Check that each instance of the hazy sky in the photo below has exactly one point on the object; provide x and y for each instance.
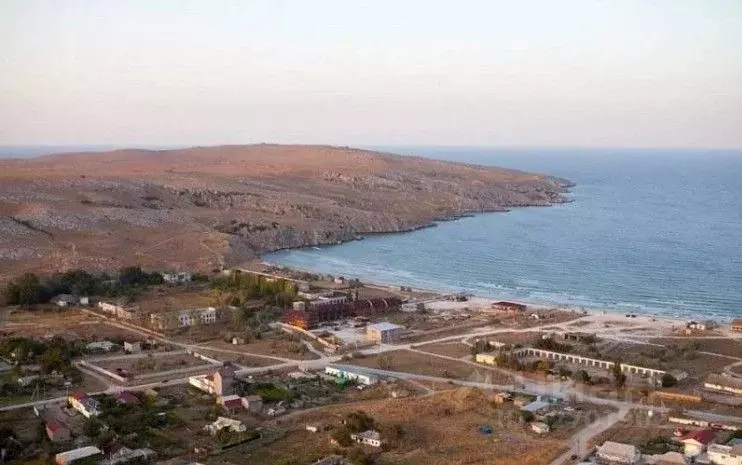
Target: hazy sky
(465, 72)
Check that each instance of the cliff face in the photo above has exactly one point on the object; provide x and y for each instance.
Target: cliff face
(207, 207)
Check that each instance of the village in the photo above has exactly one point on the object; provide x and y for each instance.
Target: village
(280, 366)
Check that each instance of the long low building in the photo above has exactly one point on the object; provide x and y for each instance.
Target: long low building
(587, 361)
(726, 384)
(88, 454)
(616, 452)
(352, 375)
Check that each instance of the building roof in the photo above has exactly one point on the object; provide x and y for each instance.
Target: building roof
(79, 395)
(253, 398)
(232, 402)
(737, 322)
(126, 397)
(77, 454)
(53, 425)
(617, 449)
(702, 436)
(670, 458)
(735, 450)
(370, 434)
(385, 326)
(724, 381)
(535, 406)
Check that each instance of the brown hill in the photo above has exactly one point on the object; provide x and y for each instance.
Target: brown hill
(206, 206)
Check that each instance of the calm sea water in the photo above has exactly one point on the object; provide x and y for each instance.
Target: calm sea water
(649, 231)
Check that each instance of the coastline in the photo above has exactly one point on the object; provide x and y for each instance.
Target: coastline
(477, 302)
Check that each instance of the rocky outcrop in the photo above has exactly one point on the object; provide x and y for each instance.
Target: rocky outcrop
(207, 207)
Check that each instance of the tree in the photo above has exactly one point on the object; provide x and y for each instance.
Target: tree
(526, 416)
(668, 380)
(25, 291)
(342, 436)
(92, 428)
(582, 376)
(51, 360)
(358, 457)
(619, 378)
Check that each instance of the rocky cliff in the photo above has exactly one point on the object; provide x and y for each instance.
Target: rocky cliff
(211, 206)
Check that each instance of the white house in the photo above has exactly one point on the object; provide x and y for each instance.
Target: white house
(540, 428)
(696, 442)
(181, 277)
(106, 346)
(369, 437)
(132, 347)
(206, 316)
(617, 452)
(88, 453)
(221, 423)
(725, 455)
(26, 381)
(358, 376)
(84, 404)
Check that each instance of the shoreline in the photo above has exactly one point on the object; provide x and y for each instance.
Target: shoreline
(484, 302)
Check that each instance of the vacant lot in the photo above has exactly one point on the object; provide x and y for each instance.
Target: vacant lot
(282, 347)
(674, 357)
(151, 363)
(636, 429)
(166, 298)
(437, 429)
(413, 362)
(723, 346)
(234, 355)
(513, 337)
(450, 349)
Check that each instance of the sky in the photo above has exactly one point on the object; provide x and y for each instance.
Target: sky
(569, 73)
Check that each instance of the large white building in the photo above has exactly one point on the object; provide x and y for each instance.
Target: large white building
(359, 376)
(229, 424)
(384, 332)
(617, 452)
(725, 455)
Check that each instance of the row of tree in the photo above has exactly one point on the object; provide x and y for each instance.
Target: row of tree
(30, 289)
(239, 288)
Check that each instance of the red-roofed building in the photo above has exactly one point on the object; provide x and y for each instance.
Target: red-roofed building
(232, 402)
(696, 442)
(56, 431)
(126, 398)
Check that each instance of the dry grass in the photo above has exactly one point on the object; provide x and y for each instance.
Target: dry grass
(151, 364)
(636, 429)
(723, 346)
(437, 429)
(276, 347)
(450, 349)
(240, 358)
(429, 365)
(164, 298)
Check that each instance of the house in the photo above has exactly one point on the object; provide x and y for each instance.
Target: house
(696, 442)
(105, 346)
(83, 454)
(229, 424)
(616, 452)
(183, 318)
(127, 398)
(126, 455)
(84, 404)
(65, 300)
(84, 300)
(312, 428)
(668, 458)
(540, 428)
(536, 407)
(502, 397)
(119, 310)
(722, 383)
(384, 332)
(56, 431)
(25, 381)
(725, 454)
(488, 359)
(253, 403)
(737, 325)
(219, 383)
(231, 402)
(359, 376)
(181, 277)
(276, 411)
(133, 347)
(369, 437)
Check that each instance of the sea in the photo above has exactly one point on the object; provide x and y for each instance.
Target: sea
(647, 231)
